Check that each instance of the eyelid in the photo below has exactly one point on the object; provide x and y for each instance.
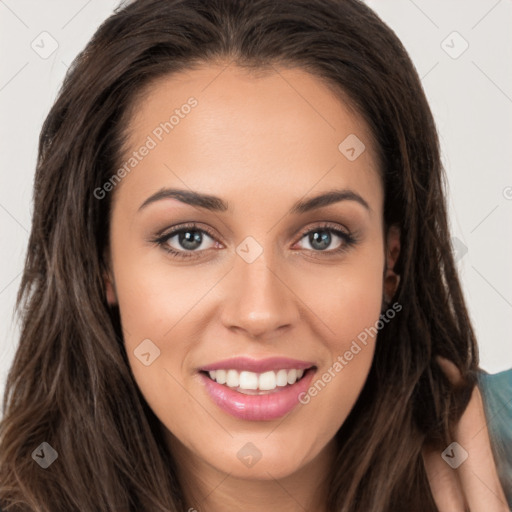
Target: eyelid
(324, 225)
(174, 230)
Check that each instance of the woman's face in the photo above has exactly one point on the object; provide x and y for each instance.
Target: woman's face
(265, 280)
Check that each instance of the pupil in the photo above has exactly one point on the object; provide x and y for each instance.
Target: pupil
(323, 240)
(190, 242)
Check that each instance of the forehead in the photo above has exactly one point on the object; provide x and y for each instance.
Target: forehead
(221, 127)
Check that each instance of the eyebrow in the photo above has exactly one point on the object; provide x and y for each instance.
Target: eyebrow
(216, 204)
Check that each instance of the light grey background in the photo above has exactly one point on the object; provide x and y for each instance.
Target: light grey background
(470, 93)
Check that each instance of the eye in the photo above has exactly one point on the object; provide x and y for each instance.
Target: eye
(322, 237)
(184, 241)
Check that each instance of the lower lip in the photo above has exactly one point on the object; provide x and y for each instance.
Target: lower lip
(270, 406)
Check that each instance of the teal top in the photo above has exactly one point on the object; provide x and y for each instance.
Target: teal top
(497, 396)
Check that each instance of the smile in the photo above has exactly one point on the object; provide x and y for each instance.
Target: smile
(270, 393)
(252, 383)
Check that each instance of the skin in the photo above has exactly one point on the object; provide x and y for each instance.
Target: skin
(260, 143)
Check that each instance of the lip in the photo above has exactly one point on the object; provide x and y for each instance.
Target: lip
(242, 363)
(269, 406)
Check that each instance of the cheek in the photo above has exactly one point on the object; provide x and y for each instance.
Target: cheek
(346, 298)
(349, 307)
(157, 305)
(152, 299)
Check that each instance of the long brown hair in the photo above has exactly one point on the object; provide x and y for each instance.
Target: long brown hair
(70, 384)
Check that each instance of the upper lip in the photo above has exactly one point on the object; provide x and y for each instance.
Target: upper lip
(257, 365)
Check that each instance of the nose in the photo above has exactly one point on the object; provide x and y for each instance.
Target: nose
(259, 301)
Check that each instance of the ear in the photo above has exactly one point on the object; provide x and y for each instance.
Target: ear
(391, 279)
(108, 281)
(110, 291)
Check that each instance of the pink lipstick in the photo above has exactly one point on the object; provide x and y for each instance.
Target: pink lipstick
(257, 390)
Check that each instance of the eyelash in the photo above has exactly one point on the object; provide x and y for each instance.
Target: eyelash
(348, 239)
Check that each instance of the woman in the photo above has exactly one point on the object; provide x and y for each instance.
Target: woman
(239, 289)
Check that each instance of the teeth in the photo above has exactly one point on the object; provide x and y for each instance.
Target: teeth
(292, 376)
(248, 380)
(219, 376)
(232, 379)
(282, 378)
(266, 381)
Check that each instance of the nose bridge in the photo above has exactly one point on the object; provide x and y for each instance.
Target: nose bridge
(258, 301)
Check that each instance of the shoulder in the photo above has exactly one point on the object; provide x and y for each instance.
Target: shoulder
(496, 392)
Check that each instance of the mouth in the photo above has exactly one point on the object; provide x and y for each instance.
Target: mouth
(263, 395)
(252, 383)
